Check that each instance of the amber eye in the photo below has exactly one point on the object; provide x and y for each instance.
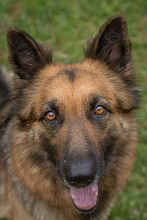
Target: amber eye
(99, 110)
(50, 116)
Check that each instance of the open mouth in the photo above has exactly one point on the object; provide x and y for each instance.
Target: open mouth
(85, 198)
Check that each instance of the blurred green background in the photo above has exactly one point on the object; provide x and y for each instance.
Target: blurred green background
(65, 26)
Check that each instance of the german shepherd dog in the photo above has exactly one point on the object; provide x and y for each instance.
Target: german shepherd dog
(68, 132)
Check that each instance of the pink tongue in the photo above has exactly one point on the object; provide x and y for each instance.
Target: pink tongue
(85, 198)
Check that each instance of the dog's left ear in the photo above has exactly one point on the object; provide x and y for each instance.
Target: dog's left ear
(26, 55)
(111, 45)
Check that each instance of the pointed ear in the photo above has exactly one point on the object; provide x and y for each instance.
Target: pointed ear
(26, 56)
(111, 45)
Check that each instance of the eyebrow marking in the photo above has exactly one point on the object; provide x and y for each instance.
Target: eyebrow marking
(51, 104)
(71, 74)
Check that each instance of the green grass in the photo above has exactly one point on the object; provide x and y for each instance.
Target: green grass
(65, 26)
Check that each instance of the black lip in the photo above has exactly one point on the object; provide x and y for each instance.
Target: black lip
(90, 212)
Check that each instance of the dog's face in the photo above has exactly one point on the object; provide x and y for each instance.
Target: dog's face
(73, 122)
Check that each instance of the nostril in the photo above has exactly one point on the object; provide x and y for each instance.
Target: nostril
(80, 175)
(79, 170)
(78, 182)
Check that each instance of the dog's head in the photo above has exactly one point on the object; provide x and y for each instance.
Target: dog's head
(74, 132)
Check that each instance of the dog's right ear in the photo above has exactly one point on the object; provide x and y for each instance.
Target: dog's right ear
(26, 55)
(111, 45)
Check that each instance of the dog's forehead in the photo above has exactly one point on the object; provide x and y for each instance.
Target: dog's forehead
(77, 81)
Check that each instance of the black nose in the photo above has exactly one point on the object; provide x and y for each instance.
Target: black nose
(78, 172)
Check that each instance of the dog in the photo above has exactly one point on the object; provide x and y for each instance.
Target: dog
(68, 132)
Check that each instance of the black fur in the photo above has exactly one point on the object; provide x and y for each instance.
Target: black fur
(26, 56)
(4, 90)
(111, 44)
(71, 74)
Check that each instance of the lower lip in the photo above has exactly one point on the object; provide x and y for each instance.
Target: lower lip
(87, 212)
